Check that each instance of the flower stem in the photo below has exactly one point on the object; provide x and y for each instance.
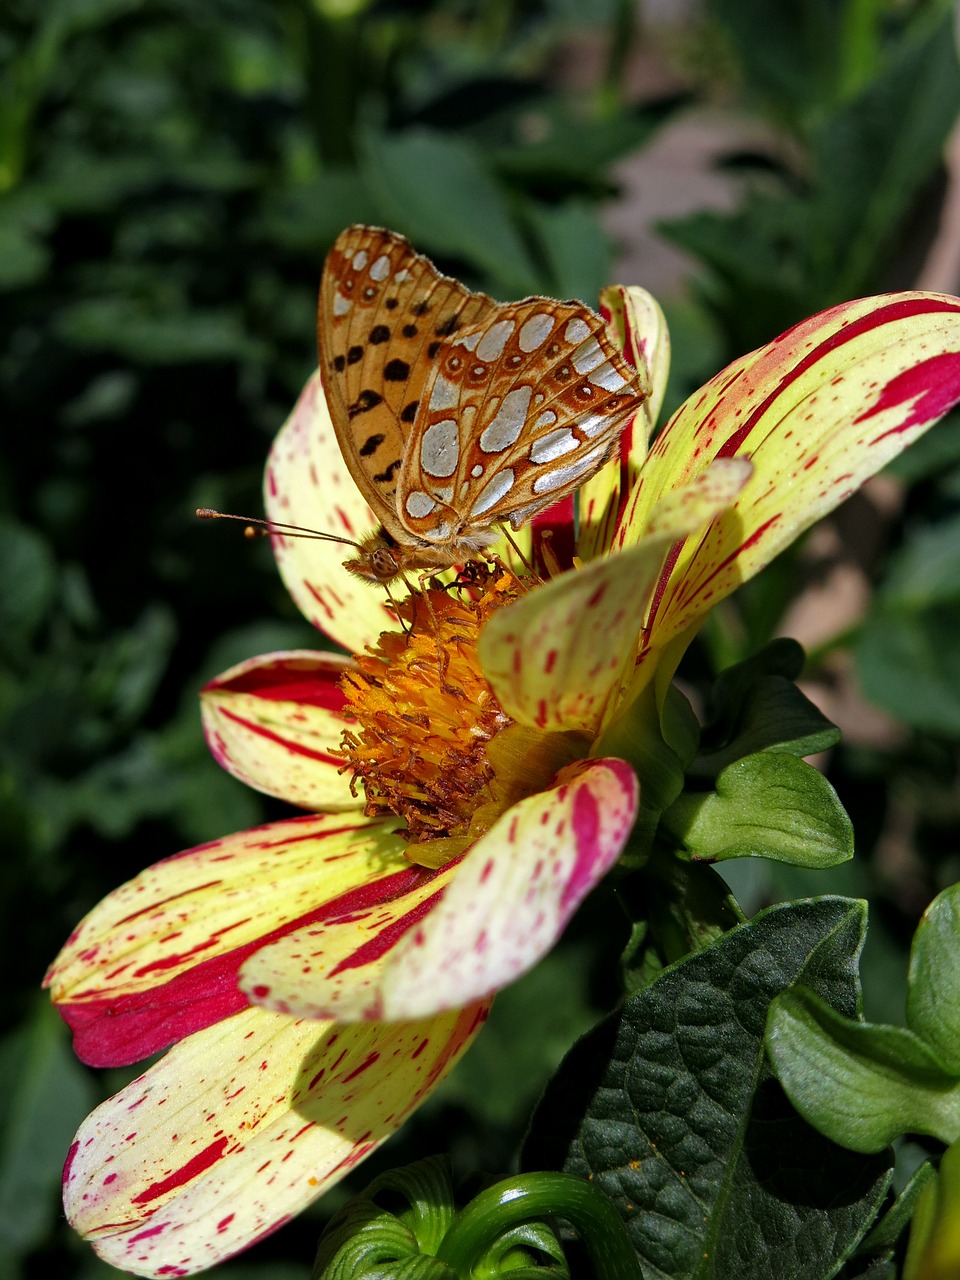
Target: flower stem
(516, 1200)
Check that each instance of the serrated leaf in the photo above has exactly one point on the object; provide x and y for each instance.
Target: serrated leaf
(683, 1127)
(767, 805)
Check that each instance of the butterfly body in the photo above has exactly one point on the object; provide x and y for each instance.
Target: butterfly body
(455, 413)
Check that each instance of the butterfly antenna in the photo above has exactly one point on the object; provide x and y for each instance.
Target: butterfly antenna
(257, 528)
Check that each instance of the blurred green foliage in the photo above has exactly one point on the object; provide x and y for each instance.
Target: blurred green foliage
(171, 176)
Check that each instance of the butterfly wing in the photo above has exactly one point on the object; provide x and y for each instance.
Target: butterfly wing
(518, 411)
(384, 310)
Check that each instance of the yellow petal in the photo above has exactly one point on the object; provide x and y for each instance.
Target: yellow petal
(637, 325)
(515, 891)
(275, 722)
(474, 927)
(307, 483)
(707, 495)
(817, 411)
(557, 658)
(240, 1127)
(158, 958)
(334, 967)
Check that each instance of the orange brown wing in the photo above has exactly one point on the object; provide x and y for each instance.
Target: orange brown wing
(384, 311)
(517, 412)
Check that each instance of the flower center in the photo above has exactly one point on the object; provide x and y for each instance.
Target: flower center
(426, 717)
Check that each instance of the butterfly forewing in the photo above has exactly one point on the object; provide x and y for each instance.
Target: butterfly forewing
(380, 305)
(454, 412)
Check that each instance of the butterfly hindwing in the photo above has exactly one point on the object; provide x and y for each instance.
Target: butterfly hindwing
(517, 413)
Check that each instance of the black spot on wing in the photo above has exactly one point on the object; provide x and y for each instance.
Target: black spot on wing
(392, 303)
(386, 476)
(420, 308)
(409, 330)
(371, 444)
(379, 333)
(339, 363)
(448, 326)
(409, 411)
(364, 402)
(433, 348)
(354, 354)
(396, 371)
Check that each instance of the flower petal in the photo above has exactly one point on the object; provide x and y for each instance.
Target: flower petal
(274, 723)
(515, 891)
(242, 1125)
(557, 657)
(817, 411)
(158, 958)
(307, 483)
(637, 325)
(333, 967)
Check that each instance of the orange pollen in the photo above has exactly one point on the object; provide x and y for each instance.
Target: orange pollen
(425, 713)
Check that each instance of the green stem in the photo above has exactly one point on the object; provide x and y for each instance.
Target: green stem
(535, 1195)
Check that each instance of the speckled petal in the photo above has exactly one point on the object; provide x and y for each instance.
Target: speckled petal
(334, 967)
(515, 891)
(275, 721)
(817, 411)
(638, 327)
(158, 958)
(557, 657)
(307, 483)
(240, 1127)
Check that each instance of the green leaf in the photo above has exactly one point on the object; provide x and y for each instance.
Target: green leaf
(443, 195)
(28, 582)
(863, 1084)
(887, 1231)
(757, 707)
(933, 1000)
(46, 1094)
(367, 1238)
(908, 662)
(790, 53)
(574, 146)
(576, 249)
(925, 571)
(158, 334)
(873, 157)
(765, 806)
(670, 1109)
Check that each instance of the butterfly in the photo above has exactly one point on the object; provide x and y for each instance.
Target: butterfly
(456, 413)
